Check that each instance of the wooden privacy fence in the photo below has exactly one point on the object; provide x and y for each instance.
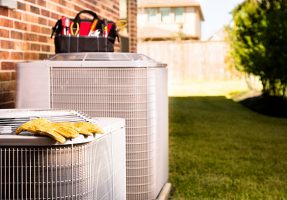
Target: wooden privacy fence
(190, 61)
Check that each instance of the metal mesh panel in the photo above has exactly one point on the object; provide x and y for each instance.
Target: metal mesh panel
(119, 157)
(116, 92)
(70, 172)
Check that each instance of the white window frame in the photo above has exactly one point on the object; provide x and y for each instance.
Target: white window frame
(166, 18)
(176, 19)
(152, 18)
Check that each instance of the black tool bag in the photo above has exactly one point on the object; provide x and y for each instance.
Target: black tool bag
(84, 35)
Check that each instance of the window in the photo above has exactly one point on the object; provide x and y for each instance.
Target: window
(152, 15)
(165, 15)
(178, 15)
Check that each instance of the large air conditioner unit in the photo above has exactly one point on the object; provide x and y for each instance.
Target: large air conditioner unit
(126, 85)
(84, 168)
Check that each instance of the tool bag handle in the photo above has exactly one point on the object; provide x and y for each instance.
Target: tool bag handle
(77, 18)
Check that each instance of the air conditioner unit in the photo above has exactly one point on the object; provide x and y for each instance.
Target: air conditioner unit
(125, 85)
(34, 167)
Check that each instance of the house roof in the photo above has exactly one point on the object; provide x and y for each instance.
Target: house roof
(170, 3)
(218, 35)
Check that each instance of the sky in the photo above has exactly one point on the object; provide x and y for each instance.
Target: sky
(216, 14)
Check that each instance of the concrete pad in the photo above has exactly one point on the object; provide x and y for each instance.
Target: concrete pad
(165, 192)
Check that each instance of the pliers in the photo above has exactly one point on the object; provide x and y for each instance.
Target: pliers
(74, 28)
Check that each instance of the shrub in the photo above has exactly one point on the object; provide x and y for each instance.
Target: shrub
(258, 42)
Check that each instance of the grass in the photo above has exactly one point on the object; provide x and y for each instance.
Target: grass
(221, 150)
(207, 88)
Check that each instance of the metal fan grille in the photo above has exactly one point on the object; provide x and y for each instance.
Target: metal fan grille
(116, 92)
(69, 172)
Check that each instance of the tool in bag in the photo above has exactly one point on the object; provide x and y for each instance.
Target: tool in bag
(84, 35)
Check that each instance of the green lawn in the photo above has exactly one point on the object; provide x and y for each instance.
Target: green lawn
(221, 150)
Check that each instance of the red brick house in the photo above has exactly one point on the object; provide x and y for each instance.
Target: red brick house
(25, 29)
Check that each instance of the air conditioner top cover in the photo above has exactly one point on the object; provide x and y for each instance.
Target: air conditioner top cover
(10, 119)
(101, 59)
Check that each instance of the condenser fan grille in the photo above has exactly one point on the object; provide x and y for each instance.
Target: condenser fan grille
(77, 172)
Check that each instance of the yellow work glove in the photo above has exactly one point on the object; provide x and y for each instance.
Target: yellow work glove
(59, 131)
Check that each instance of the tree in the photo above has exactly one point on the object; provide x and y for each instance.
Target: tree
(258, 42)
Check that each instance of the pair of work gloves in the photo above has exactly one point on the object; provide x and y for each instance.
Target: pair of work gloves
(59, 131)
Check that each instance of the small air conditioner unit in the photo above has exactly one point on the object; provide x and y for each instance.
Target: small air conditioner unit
(125, 85)
(34, 167)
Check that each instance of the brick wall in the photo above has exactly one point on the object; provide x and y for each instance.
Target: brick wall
(25, 33)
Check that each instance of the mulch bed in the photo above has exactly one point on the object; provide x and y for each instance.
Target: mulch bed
(267, 105)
